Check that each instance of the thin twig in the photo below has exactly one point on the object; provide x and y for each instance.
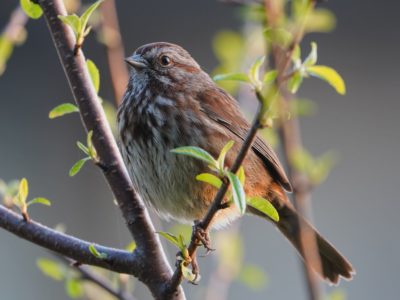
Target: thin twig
(16, 24)
(115, 49)
(291, 141)
(89, 275)
(205, 223)
(13, 33)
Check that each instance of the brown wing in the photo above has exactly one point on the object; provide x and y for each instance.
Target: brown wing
(232, 119)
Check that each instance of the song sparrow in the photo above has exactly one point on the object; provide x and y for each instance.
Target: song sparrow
(171, 102)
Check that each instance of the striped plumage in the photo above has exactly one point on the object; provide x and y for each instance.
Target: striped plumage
(170, 102)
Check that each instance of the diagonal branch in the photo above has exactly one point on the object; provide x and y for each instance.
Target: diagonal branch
(153, 269)
(115, 48)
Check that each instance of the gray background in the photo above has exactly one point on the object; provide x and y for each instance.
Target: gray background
(357, 208)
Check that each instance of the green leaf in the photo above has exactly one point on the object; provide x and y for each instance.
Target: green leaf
(196, 152)
(83, 147)
(296, 53)
(188, 274)
(320, 20)
(87, 31)
(239, 197)
(254, 72)
(86, 15)
(23, 191)
(182, 244)
(9, 191)
(111, 115)
(51, 268)
(232, 76)
(62, 109)
(254, 12)
(210, 179)
(321, 168)
(241, 175)
(299, 9)
(270, 76)
(78, 166)
(302, 107)
(278, 36)
(6, 49)
(94, 74)
(170, 238)
(264, 206)
(228, 47)
(253, 277)
(91, 148)
(39, 200)
(72, 21)
(301, 160)
(230, 252)
(96, 253)
(74, 288)
(222, 155)
(32, 10)
(131, 246)
(312, 57)
(337, 294)
(295, 82)
(329, 75)
(181, 229)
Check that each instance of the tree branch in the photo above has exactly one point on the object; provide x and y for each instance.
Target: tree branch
(13, 34)
(115, 49)
(117, 260)
(15, 25)
(291, 141)
(89, 275)
(152, 267)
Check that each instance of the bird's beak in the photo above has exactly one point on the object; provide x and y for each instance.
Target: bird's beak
(137, 62)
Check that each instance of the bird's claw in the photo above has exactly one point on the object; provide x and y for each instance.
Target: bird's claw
(202, 236)
(180, 259)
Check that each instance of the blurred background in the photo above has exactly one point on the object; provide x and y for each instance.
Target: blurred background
(356, 208)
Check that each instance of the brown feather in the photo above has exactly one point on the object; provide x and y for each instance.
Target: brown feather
(232, 119)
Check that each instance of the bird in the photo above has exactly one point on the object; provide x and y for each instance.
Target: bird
(171, 102)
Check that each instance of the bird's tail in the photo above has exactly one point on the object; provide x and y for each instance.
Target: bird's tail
(334, 265)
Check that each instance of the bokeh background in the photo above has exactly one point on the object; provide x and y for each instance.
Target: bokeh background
(357, 208)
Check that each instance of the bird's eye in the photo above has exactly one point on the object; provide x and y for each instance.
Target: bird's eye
(165, 60)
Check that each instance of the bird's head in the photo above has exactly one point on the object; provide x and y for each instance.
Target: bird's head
(163, 63)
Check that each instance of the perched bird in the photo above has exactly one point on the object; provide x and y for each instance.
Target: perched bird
(171, 102)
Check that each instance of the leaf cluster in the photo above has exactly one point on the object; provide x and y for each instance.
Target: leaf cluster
(309, 68)
(57, 271)
(15, 193)
(79, 24)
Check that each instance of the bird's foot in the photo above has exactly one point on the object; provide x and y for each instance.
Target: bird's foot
(195, 271)
(202, 236)
(183, 261)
